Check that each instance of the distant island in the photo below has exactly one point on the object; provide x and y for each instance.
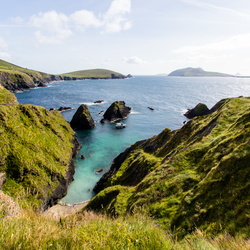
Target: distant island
(192, 72)
(15, 78)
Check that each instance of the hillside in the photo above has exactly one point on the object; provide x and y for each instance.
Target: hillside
(14, 77)
(194, 177)
(199, 72)
(93, 74)
(171, 178)
(36, 151)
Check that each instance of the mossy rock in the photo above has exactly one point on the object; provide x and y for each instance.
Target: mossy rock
(117, 111)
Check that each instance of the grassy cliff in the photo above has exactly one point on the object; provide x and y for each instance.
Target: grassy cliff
(36, 150)
(193, 177)
(14, 77)
(6, 97)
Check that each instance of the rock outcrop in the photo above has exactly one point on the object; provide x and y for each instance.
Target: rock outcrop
(82, 119)
(198, 110)
(117, 111)
(196, 177)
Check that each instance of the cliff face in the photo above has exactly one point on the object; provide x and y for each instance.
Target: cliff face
(18, 80)
(194, 177)
(37, 148)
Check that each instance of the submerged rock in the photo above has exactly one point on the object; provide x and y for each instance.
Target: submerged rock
(117, 111)
(82, 119)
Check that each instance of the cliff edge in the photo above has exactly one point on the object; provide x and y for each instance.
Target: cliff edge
(193, 177)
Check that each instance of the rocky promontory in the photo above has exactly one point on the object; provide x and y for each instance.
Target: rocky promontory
(37, 148)
(196, 177)
(117, 111)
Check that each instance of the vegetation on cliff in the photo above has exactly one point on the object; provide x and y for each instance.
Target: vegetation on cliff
(194, 177)
(164, 177)
(6, 97)
(13, 77)
(36, 150)
(91, 231)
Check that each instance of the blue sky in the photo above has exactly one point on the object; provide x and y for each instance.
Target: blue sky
(139, 37)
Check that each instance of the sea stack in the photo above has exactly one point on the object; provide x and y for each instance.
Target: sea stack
(82, 119)
(116, 111)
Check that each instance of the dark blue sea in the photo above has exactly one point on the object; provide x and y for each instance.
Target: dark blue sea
(169, 96)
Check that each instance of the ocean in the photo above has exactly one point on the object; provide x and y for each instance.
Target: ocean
(169, 97)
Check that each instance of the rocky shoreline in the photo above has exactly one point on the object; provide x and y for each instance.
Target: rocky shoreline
(61, 190)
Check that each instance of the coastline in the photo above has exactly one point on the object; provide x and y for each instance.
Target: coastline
(62, 189)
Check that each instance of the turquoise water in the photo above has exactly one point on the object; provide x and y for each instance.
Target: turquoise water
(169, 96)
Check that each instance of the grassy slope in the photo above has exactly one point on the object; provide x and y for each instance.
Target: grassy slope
(7, 97)
(35, 150)
(96, 73)
(90, 231)
(197, 176)
(14, 74)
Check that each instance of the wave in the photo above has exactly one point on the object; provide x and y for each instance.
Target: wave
(134, 112)
(92, 103)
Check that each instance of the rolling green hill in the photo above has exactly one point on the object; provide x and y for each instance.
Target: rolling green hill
(94, 73)
(197, 72)
(13, 77)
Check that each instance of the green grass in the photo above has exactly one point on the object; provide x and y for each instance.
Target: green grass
(92, 73)
(6, 97)
(198, 175)
(92, 231)
(35, 151)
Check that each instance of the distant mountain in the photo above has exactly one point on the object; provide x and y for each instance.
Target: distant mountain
(196, 72)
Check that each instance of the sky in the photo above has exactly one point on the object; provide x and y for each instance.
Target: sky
(138, 37)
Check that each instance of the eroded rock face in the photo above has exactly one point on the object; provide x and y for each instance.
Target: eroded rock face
(117, 111)
(2, 179)
(198, 110)
(82, 119)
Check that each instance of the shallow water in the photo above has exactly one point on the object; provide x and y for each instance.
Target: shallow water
(169, 96)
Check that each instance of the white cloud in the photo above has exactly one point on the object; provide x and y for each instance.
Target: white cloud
(4, 49)
(114, 20)
(134, 60)
(53, 27)
(84, 19)
(232, 43)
